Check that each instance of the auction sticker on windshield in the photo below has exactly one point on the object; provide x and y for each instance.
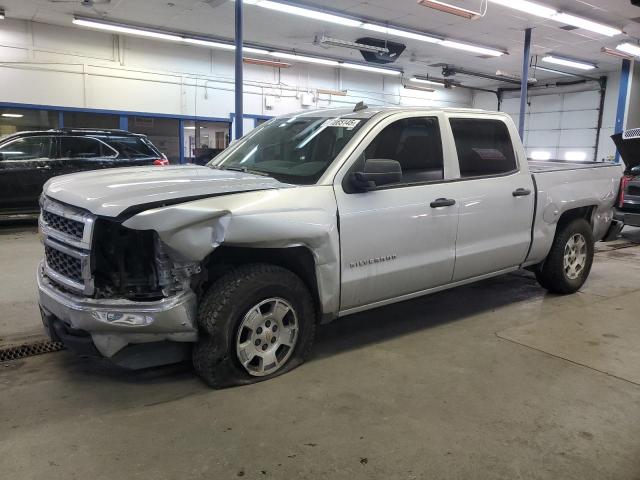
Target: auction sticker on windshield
(347, 123)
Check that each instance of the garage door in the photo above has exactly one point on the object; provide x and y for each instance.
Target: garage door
(559, 126)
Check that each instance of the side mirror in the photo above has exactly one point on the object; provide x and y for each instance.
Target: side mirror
(377, 172)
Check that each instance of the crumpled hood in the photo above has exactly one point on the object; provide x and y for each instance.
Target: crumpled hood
(628, 146)
(110, 192)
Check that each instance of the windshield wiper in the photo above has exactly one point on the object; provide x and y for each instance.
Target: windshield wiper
(243, 170)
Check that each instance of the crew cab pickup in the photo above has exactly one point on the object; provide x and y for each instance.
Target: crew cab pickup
(308, 218)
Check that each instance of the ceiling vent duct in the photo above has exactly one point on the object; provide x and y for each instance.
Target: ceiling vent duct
(394, 50)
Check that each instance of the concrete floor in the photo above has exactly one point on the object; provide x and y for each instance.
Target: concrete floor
(497, 380)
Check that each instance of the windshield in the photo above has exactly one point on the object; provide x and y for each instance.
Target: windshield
(294, 150)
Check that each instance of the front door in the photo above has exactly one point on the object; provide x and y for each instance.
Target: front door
(398, 239)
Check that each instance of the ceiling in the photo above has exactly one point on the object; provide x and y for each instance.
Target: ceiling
(500, 27)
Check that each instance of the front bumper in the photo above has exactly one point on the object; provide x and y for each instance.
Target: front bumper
(115, 324)
(628, 218)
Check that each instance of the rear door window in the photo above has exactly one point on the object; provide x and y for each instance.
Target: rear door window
(83, 147)
(131, 147)
(27, 148)
(484, 147)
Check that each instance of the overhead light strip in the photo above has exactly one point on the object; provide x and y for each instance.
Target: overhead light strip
(567, 62)
(450, 9)
(550, 13)
(629, 48)
(327, 16)
(131, 30)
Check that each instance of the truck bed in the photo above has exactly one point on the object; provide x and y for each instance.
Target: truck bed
(542, 166)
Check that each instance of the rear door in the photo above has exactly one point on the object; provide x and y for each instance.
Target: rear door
(393, 241)
(496, 197)
(25, 164)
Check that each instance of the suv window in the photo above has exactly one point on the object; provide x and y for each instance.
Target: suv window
(484, 147)
(27, 148)
(83, 147)
(131, 147)
(415, 143)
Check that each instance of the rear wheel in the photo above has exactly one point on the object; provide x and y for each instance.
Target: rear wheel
(568, 264)
(255, 323)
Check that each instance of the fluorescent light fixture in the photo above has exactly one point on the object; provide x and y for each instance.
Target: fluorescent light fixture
(551, 70)
(422, 89)
(13, 115)
(575, 156)
(568, 63)
(451, 9)
(210, 44)
(189, 128)
(586, 24)
(616, 53)
(305, 59)
(367, 68)
(266, 63)
(425, 81)
(540, 155)
(307, 12)
(401, 33)
(528, 7)
(629, 48)
(472, 48)
(128, 30)
(336, 42)
(562, 17)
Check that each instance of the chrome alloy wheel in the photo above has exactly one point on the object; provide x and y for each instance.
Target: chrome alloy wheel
(575, 256)
(267, 336)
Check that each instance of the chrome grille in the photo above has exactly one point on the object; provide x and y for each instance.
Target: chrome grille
(64, 225)
(64, 264)
(67, 233)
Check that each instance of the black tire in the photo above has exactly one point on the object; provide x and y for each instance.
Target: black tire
(551, 273)
(222, 310)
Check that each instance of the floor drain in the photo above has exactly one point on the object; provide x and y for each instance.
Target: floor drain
(29, 350)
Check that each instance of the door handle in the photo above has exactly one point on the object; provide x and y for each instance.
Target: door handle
(521, 192)
(442, 202)
(44, 167)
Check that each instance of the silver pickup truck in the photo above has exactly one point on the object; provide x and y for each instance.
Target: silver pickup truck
(310, 217)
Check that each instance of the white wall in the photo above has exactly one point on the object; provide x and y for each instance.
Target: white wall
(564, 118)
(72, 67)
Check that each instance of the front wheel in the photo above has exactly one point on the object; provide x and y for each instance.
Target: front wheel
(568, 264)
(256, 322)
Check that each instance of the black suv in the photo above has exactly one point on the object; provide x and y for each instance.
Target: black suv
(29, 159)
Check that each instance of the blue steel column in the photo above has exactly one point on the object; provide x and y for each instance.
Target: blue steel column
(181, 139)
(524, 85)
(238, 112)
(625, 73)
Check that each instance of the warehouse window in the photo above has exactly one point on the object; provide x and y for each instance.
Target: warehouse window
(14, 120)
(91, 120)
(484, 147)
(164, 133)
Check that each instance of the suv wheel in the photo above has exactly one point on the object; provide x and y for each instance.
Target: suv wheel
(256, 322)
(568, 264)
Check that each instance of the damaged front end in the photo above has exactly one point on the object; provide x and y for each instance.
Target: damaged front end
(135, 265)
(116, 288)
